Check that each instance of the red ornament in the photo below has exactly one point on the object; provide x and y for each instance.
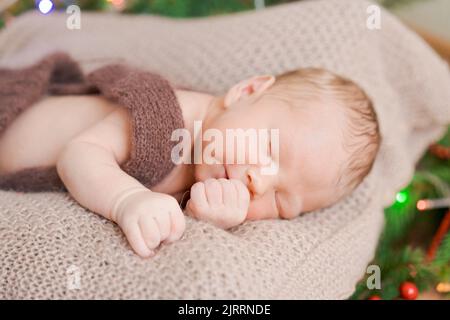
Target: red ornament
(409, 291)
(374, 297)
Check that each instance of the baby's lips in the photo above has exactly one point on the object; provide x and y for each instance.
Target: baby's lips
(221, 172)
(225, 172)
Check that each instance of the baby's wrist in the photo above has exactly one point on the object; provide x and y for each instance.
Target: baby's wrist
(120, 200)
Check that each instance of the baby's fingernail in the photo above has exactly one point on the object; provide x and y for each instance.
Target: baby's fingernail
(150, 253)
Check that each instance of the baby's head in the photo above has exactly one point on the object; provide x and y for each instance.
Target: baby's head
(328, 140)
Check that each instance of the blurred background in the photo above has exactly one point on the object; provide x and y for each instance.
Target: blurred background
(431, 14)
(414, 250)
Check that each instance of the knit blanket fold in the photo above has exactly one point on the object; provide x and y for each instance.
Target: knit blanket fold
(155, 113)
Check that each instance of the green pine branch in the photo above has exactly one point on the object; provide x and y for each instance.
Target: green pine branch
(397, 3)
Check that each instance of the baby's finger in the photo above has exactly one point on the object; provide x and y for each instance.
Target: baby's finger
(177, 225)
(189, 210)
(213, 192)
(137, 242)
(150, 231)
(162, 219)
(198, 196)
(229, 193)
(243, 194)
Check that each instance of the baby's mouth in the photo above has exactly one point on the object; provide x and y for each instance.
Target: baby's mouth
(225, 172)
(219, 172)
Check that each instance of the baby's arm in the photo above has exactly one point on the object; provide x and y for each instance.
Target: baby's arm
(89, 168)
(221, 202)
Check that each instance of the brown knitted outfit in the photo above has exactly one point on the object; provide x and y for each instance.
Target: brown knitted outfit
(155, 113)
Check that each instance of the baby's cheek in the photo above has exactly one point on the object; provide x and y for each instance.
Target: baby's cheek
(259, 210)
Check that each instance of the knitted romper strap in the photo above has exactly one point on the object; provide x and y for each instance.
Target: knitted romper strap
(153, 106)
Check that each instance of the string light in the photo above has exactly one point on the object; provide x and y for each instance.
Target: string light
(422, 205)
(401, 196)
(117, 4)
(45, 6)
(443, 287)
(428, 204)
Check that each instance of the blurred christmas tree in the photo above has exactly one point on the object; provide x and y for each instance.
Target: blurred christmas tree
(414, 250)
(173, 8)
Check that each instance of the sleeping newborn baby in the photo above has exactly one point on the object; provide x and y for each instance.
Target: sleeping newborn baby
(327, 140)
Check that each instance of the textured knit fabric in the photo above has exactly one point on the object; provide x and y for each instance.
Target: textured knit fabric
(155, 113)
(47, 237)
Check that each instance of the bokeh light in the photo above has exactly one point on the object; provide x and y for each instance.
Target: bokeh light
(401, 197)
(45, 6)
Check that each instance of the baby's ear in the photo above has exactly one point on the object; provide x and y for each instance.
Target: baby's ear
(249, 87)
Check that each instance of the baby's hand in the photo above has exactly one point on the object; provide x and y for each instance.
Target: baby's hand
(148, 218)
(221, 202)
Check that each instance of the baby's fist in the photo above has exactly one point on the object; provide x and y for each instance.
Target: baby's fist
(221, 202)
(148, 218)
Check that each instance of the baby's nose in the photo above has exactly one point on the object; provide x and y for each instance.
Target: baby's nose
(258, 184)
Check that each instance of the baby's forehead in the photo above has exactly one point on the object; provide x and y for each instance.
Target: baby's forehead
(314, 114)
(311, 146)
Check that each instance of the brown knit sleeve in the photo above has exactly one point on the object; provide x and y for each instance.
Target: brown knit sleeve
(155, 114)
(19, 90)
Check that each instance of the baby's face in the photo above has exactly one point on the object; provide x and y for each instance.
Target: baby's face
(309, 156)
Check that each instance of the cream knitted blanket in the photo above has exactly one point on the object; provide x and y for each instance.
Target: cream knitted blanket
(52, 248)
